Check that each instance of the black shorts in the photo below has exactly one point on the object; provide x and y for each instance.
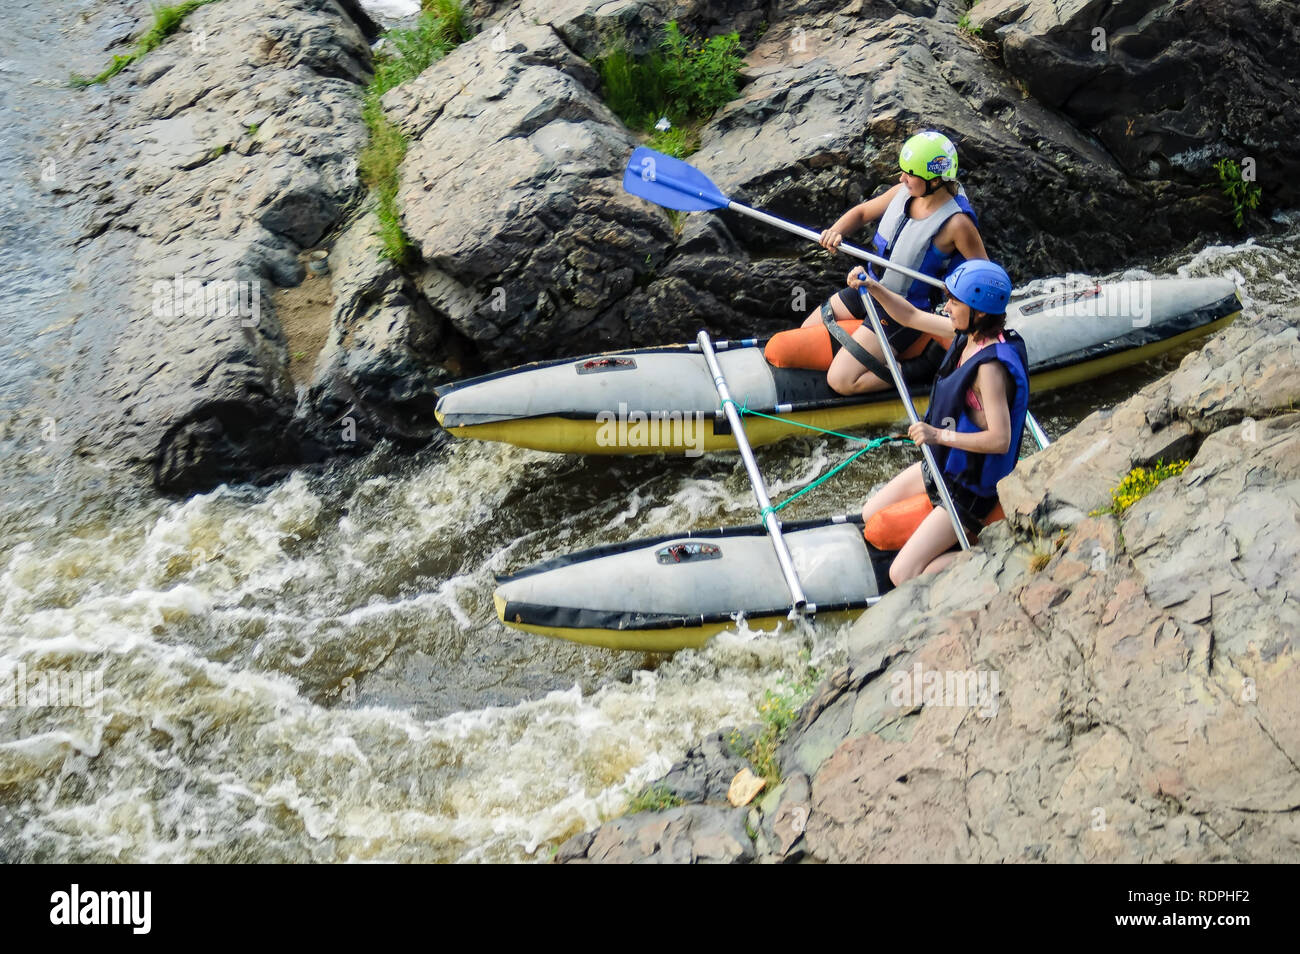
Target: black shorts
(900, 336)
(972, 509)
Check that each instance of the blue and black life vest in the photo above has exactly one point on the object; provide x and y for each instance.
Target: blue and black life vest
(910, 243)
(978, 473)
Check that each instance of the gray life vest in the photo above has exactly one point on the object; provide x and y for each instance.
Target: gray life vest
(908, 242)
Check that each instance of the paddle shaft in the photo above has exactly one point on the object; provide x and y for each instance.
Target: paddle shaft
(901, 386)
(783, 558)
(844, 247)
(707, 193)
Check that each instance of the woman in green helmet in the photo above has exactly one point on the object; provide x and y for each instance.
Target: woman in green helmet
(925, 223)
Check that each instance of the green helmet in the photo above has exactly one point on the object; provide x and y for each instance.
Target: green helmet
(930, 155)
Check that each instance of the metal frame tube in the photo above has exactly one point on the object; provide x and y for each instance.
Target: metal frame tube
(906, 398)
(783, 558)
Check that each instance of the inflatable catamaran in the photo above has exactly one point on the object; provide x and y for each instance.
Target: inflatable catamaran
(674, 592)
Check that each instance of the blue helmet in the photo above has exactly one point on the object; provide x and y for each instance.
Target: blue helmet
(982, 285)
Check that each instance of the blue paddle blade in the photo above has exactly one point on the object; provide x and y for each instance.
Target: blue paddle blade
(670, 182)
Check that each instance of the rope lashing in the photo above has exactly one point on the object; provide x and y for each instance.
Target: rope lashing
(870, 445)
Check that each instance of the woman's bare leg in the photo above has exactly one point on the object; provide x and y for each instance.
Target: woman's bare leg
(934, 536)
(838, 308)
(848, 376)
(940, 562)
(907, 483)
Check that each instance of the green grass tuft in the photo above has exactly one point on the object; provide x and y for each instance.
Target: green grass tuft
(654, 798)
(377, 166)
(454, 19)
(776, 713)
(166, 21)
(618, 79)
(684, 81)
(1242, 194)
(406, 54)
(678, 141)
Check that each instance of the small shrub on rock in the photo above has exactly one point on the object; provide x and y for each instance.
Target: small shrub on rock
(1139, 482)
(672, 91)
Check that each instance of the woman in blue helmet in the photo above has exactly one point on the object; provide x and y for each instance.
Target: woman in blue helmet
(927, 224)
(976, 416)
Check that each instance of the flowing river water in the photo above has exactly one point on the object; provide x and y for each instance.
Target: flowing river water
(313, 671)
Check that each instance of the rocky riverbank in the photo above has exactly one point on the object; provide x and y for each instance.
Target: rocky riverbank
(1088, 133)
(1114, 689)
(211, 166)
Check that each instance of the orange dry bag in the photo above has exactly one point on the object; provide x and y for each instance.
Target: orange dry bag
(890, 528)
(811, 348)
(808, 348)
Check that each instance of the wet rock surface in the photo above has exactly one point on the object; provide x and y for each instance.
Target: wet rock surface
(213, 163)
(1081, 687)
(385, 353)
(691, 834)
(705, 774)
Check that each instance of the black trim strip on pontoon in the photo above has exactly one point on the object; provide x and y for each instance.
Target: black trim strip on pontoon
(532, 614)
(709, 533)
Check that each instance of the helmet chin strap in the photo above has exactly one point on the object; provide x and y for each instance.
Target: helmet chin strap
(932, 186)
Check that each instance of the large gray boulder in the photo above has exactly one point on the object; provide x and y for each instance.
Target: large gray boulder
(212, 164)
(1167, 87)
(512, 192)
(1143, 711)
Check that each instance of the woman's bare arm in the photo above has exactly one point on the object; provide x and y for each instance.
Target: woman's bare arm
(991, 387)
(966, 237)
(902, 310)
(856, 217)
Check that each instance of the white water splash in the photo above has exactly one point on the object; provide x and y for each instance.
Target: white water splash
(391, 9)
